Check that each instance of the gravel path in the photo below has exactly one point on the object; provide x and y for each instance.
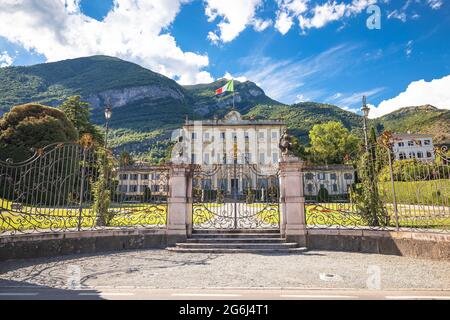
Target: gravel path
(165, 270)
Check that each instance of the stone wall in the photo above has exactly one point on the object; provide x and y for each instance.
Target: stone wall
(26, 246)
(411, 244)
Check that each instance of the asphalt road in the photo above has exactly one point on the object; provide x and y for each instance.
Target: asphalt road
(37, 293)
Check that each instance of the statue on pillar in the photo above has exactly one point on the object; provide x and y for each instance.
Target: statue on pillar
(285, 144)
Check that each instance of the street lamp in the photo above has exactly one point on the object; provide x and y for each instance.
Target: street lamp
(108, 115)
(365, 110)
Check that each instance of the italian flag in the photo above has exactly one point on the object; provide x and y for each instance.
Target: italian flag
(229, 87)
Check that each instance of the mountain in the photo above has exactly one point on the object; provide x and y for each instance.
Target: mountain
(147, 106)
(419, 119)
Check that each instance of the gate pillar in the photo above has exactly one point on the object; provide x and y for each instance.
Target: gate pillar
(179, 204)
(292, 200)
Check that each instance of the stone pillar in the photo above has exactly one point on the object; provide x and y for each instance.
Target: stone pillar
(292, 200)
(178, 213)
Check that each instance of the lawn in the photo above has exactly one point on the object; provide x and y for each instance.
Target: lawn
(42, 218)
(432, 192)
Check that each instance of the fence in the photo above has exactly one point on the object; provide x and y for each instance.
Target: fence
(376, 191)
(66, 187)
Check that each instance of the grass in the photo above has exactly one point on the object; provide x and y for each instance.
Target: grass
(432, 192)
(41, 218)
(325, 215)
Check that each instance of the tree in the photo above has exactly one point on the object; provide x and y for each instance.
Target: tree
(78, 113)
(32, 126)
(125, 159)
(331, 142)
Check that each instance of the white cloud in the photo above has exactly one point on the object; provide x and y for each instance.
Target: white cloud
(235, 16)
(261, 25)
(293, 80)
(435, 4)
(436, 92)
(352, 101)
(134, 30)
(5, 59)
(228, 76)
(318, 16)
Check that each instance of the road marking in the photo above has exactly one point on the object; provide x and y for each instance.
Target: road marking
(316, 296)
(205, 295)
(18, 293)
(106, 294)
(418, 297)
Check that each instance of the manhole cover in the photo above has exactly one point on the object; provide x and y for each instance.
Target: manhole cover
(329, 277)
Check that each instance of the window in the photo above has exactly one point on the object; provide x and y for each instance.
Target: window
(234, 136)
(133, 188)
(222, 184)
(262, 158)
(124, 176)
(224, 158)
(410, 143)
(429, 155)
(402, 156)
(333, 176)
(206, 158)
(263, 183)
(123, 188)
(248, 158)
(310, 188)
(222, 135)
(274, 135)
(142, 188)
(261, 134)
(321, 176)
(401, 144)
(155, 188)
(419, 155)
(144, 176)
(335, 187)
(206, 136)
(193, 158)
(134, 176)
(309, 176)
(275, 157)
(194, 135)
(427, 142)
(246, 135)
(412, 155)
(206, 184)
(348, 176)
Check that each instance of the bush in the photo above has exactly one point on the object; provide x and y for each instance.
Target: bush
(323, 195)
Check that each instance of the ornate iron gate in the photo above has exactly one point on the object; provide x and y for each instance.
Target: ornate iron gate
(68, 187)
(235, 196)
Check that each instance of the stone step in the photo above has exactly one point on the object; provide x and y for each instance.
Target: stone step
(235, 231)
(255, 251)
(272, 246)
(235, 235)
(236, 240)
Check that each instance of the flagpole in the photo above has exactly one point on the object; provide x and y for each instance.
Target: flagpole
(233, 94)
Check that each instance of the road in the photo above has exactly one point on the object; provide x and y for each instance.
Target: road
(37, 293)
(161, 274)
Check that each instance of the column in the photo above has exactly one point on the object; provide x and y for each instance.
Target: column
(179, 215)
(292, 200)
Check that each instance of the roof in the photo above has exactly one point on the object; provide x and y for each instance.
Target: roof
(330, 167)
(234, 118)
(411, 135)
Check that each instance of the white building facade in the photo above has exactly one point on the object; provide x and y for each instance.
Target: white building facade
(413, 146)
(209, 142)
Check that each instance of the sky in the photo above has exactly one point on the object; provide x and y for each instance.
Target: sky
(396, 52)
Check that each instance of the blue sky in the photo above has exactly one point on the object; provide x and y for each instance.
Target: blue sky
(296, 50)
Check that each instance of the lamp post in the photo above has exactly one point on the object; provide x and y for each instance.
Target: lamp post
(108, 114)
(365, 109)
